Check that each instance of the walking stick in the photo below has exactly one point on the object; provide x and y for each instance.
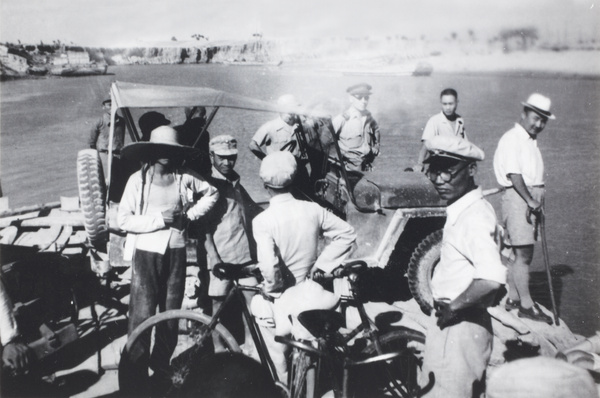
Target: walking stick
(542, 225)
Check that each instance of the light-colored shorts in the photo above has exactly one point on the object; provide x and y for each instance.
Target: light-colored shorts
(220, 287)
(514, 216)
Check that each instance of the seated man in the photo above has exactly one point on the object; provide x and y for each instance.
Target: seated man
(287, 235)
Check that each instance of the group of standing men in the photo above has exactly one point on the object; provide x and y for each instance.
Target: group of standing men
(159, 200)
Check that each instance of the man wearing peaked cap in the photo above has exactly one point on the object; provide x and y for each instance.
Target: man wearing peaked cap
(229, 228)
(287, 236)
(519, 168)
(467, 278)
(357, 131)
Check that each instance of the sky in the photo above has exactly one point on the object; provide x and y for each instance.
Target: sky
(114, 23)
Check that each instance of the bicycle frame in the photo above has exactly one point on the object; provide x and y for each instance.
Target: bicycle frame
(257, 337)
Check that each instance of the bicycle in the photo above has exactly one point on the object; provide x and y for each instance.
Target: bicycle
(195, 339)
(391, 359)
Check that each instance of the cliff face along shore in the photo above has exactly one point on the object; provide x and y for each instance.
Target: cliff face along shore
(330, 54)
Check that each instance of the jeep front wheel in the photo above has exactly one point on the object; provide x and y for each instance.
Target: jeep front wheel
(420, 269)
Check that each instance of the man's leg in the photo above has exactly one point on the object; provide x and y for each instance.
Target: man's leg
(172, 288)
(142, 305)
(519, 274)
(277, 351)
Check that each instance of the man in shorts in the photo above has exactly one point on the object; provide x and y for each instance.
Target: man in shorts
(519, 168)
(229, 227)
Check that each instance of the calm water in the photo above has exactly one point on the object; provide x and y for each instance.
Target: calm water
(45, 122)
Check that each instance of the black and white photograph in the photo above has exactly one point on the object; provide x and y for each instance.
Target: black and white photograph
(300, 199)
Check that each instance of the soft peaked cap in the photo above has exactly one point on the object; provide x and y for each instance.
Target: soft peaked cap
(452, 147)
(278, 169)
(223, 145)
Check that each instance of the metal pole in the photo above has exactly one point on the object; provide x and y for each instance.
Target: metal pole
(542, 221)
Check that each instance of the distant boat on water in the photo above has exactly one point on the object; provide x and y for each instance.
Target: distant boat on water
(419, 69)
(70, 70)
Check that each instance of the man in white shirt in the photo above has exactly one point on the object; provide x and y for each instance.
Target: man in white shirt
(157, 203)
(447, 122)
(287, 235)
(468, 277)
(519, 168)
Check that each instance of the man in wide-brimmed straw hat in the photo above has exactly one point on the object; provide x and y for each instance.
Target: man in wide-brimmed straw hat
(519, 168)
(154, 210)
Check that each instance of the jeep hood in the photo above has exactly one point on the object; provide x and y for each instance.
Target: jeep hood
(400, 190)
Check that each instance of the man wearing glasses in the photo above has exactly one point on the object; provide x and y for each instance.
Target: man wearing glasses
(357, 131)
(467, 278)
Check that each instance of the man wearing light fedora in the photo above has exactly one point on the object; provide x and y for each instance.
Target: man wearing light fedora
(157, 203)
(519, 168)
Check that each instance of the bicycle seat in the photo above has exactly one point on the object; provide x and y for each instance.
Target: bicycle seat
(231, 271)
(321, 323)
(356, 266)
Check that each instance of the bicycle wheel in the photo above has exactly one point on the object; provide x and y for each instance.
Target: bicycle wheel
(163, 373)
(398, 376)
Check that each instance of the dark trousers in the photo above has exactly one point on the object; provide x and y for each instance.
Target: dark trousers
(158, 280)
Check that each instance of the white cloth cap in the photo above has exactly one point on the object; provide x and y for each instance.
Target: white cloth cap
(278, 169)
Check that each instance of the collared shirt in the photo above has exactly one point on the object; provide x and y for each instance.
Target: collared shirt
(230, 221)
(146, 228)
(8, 323)
(101, 130)
(518, 153)
(468, 248)
(357, 131)
(287, 236)
(440, 125)
(275, 134)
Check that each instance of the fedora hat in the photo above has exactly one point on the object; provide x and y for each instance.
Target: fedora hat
(540, 105)
(163, 143)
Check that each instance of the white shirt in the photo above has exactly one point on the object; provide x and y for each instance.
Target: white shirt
(468, 248)
(287, 234)
(518, 153)
(274, 134)
(440, 125)
(146, 229)
(8, 323)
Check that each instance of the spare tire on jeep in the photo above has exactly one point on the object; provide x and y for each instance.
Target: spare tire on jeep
(420, 269)
(92, 195)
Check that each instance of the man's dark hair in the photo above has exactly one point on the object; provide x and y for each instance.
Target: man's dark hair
(449, 91)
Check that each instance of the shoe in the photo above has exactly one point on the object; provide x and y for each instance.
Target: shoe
(512, 304)
(535, 314)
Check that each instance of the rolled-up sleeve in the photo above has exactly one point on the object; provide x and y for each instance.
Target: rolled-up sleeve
(209, 196)
(127, 219)
(342, 237)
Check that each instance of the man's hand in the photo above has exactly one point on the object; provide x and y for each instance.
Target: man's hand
(174, 218)
(533, 209)
(446, 317)
(16, 356)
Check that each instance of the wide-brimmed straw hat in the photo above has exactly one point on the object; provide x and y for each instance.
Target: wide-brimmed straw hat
(163, 144)
(540, 105)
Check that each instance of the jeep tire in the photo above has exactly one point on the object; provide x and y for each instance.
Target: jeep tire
(92, 195)
(420, 269)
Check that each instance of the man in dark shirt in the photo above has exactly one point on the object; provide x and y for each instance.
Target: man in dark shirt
(100, 132)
